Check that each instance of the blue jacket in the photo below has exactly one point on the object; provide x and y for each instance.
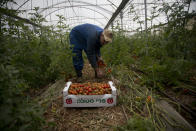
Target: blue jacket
(87, 37)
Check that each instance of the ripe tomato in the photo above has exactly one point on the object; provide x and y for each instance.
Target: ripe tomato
(89, 89)
(148, 99)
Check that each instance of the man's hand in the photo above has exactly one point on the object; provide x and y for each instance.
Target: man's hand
(99, 72)
(100, 62)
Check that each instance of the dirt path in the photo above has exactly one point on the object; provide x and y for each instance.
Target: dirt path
(83, 119)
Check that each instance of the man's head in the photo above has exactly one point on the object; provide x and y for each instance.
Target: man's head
(106, 37)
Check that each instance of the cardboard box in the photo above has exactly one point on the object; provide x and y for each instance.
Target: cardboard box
(105, 100)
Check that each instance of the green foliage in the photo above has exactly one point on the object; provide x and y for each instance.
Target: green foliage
(30, 58)
(168, 72)
(17, 113)
(61, 60)
(118, 52)
(165, 57)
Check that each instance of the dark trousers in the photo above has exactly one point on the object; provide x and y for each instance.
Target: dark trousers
(77, 48)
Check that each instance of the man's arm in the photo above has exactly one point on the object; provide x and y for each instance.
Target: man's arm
(92, 57)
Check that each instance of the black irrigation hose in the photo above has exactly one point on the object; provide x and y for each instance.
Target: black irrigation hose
(189, 84)
(192, 92)
(186, 108)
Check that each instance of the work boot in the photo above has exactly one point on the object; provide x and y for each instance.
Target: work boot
(79, 76)
(79, 80)
(79, 73)
(95, 73)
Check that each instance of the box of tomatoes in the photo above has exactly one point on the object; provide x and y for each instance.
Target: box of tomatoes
(89, 94)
